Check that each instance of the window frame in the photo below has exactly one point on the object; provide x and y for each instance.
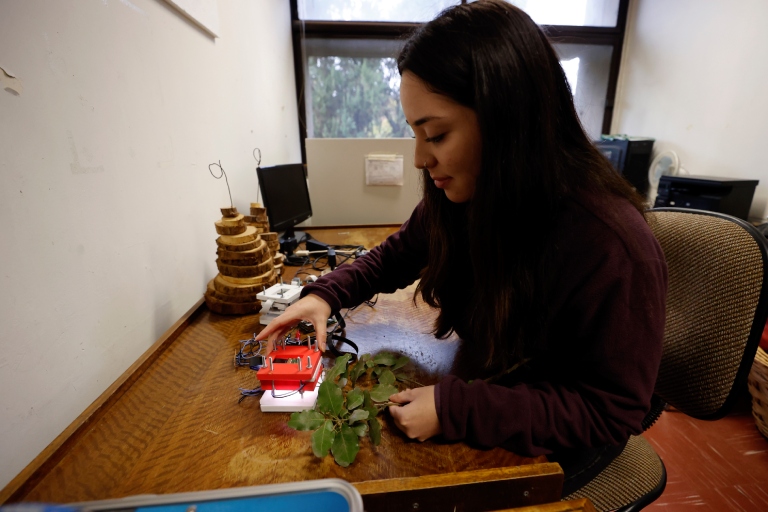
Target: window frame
(605, 36)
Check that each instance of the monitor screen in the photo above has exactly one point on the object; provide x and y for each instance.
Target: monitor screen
(285, 194)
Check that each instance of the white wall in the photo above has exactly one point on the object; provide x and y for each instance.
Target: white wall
(337, 189)
(106, 203)
(694, 76)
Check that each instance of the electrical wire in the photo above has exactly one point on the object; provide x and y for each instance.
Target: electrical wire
(303, 272)
(340, 257)
(231, 203)
(301, 389)
(245, 393)
(250, 351)
(258, 163)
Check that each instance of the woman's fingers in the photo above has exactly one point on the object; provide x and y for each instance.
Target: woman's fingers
(320, 334)
(402, 397)
(418, 417)
(310, 308)
(275, 326)
(276, 335)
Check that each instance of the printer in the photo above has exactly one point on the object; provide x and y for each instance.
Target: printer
(732, 196)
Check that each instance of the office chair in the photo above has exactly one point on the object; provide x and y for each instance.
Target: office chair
(717, 304)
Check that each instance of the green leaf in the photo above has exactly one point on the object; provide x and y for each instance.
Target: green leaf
(358, 415)
(382, 392)
(377, 370)
(306, 420)
(355, 398)
(357, 371)
(386, 377)
(385, 358)
(361, 429)
(401, 377)
(400, 363)
(345, 446)
(365, 357)
(322, 439)
(338, 368)
(374, 430)
(329, 398)
(342, 382)
(374, 427)
(370, 364)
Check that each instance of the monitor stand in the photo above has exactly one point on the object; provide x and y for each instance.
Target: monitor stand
(289, 240)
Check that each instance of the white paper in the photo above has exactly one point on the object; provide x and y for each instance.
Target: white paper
(384, 170)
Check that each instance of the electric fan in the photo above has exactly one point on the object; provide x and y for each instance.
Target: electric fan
(666, 163)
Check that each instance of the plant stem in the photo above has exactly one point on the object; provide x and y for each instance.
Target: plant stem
(411, 380)
(389, 404)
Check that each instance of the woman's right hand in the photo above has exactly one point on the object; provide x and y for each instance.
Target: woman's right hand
(311, 308)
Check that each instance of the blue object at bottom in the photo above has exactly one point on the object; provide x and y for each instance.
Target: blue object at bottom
(321, 501)
(314, 501)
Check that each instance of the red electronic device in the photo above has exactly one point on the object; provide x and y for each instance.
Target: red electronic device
(291, 368)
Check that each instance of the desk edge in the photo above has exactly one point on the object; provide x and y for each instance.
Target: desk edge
(351, 226)
(462, 477)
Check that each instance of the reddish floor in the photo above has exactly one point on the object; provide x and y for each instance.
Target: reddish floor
(712, 465)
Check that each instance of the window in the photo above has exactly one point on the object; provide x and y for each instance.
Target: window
(353, 88)
(578, 13)
(416, 11)
(346, 73)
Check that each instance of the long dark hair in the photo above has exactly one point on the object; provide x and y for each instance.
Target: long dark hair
(490, 56)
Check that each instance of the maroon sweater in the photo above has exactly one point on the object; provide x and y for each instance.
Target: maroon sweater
(592, 383)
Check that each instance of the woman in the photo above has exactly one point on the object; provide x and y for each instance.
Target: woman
(567, 282)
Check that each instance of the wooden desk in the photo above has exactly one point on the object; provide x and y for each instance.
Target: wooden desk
(173, 423)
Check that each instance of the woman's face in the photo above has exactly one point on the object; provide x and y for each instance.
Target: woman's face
(447, 138)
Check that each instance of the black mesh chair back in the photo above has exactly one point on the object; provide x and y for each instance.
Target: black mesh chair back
(716, 308)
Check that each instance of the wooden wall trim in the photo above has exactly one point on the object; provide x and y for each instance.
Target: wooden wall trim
(48, 458)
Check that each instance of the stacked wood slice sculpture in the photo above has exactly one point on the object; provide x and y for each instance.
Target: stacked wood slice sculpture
(259, 220)
(246, 266)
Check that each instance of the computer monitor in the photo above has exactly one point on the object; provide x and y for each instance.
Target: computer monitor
(631, 156)
(285, 194)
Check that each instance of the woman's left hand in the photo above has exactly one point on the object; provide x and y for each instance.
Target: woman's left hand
(418, 417)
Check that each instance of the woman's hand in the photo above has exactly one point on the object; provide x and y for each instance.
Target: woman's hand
(310, 308)
(418, 417)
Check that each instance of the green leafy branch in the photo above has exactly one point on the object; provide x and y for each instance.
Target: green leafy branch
(348, 403)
